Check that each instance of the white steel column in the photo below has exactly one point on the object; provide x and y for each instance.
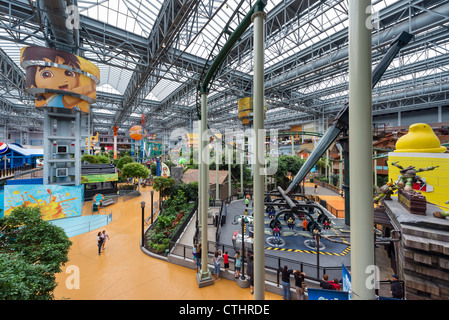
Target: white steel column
(204, 277)
(361, 156)
(259, 156)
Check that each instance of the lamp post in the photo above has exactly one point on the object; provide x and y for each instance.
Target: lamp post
(142, 205)
(244, 220)
(152, 192)
(160, 197)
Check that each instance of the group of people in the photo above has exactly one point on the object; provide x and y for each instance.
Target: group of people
(216, 262)
(329, 285)
(101, 240)
(300, 283)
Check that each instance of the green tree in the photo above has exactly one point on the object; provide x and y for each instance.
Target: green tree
(153, 169)
(103, 159)
(89, 158)
(135, 170)
(286, 164)
(124, 160)
(166, 184)
(32, 251)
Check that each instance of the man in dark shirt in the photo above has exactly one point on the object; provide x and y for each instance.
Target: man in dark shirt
(396, 288)
(324, 283)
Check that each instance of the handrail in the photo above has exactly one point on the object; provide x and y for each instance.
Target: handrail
(277, 262)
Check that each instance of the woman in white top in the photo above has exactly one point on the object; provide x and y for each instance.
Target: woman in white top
(217, 263)
(104, 235)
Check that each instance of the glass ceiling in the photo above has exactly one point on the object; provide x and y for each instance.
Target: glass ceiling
(138, 17)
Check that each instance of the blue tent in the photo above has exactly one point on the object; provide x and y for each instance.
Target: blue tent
(18, 156)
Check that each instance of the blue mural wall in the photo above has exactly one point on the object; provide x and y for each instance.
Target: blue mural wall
(56, 202)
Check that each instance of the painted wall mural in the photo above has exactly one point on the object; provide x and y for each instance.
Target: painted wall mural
(56, 202)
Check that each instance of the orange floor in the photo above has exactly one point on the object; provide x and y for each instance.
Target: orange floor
(124, 272)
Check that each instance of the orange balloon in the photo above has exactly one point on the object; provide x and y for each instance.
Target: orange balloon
(136, 132)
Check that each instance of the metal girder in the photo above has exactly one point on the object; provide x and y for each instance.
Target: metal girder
(171, 18)
(421, 22)
(317, 86)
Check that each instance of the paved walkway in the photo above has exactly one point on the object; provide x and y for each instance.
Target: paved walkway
(124, 272)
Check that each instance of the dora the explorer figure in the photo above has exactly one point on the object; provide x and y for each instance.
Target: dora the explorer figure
(55, 78)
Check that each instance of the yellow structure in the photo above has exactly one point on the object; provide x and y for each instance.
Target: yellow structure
(92, 142)
(421, 148)
(246, 110)
(420, 138)
(191, 140)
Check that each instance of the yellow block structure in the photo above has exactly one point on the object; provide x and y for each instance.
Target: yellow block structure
(420, 148)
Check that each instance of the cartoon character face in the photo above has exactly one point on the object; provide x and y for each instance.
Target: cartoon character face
(53, 77)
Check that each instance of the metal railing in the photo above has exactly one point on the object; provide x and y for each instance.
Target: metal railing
(104, 218)
(272, 263)
(11, 172)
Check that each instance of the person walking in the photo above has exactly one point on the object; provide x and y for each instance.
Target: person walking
(304, 224)
(277, 233)
(300, 284)
(104, 235)
(99, 242)
(315, 190)
(238, 264)
(216, 260)
(286, 272)
(234, 239)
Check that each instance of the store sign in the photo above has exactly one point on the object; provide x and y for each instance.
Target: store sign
(3, 147)
(94, 178)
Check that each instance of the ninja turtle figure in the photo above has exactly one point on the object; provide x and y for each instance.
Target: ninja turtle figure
(405, 182)
(385, 191)
(408, 176)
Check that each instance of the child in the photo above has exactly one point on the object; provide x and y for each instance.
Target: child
(55, 78)
(238, 264)
(226, 261)
(276, 232)
(290, 223)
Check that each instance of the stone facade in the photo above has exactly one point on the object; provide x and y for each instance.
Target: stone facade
(422, 254)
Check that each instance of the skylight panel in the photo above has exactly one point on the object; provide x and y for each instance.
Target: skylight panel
(107, 88)
(114, 12)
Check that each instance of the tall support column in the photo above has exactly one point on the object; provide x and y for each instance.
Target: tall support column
(217, 182)
(361, 151)
(115, 128)
(47, 147)
(230, 160)
(259, 156)
(242, 162)
(77, 148)
(204, 277)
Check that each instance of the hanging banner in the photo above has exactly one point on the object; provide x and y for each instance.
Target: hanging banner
(94, 178)
(346, 277)
(322, 294)
(59, 79)
(165, 170)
